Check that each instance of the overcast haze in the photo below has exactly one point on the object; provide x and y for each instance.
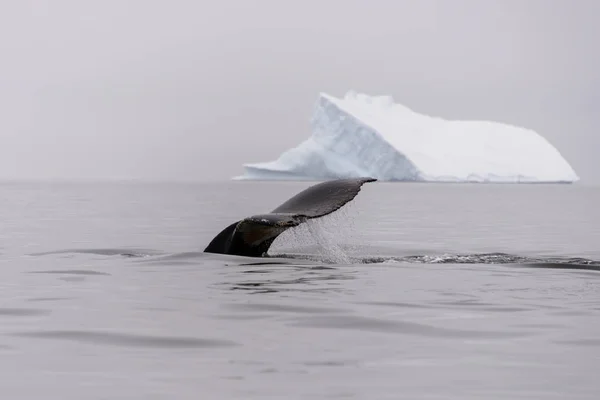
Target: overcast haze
(193, 89)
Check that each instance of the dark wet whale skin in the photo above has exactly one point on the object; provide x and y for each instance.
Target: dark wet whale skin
(252, 236)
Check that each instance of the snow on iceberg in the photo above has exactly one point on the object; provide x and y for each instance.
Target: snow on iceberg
(363, 135)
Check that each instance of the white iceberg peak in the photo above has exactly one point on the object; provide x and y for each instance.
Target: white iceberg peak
(362, 135)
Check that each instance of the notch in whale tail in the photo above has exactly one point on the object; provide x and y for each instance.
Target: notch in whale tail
(253, 236)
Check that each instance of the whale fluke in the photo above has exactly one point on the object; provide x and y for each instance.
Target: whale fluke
(252, 236)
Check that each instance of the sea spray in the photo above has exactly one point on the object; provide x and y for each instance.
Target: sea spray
(327, 235)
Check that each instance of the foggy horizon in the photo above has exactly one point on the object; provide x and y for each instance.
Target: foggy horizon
(193, 90)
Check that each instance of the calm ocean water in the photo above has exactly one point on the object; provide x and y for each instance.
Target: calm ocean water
(412, 291)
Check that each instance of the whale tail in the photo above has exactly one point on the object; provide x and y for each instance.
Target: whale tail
(253, 236)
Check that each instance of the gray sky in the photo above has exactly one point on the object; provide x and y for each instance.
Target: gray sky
(193, 89)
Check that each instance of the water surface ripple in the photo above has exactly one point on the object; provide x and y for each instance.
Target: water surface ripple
(444, 291)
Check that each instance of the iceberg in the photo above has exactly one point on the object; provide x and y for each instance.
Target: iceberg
(361, 135)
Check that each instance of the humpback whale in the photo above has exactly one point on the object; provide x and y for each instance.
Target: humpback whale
(252, 236)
